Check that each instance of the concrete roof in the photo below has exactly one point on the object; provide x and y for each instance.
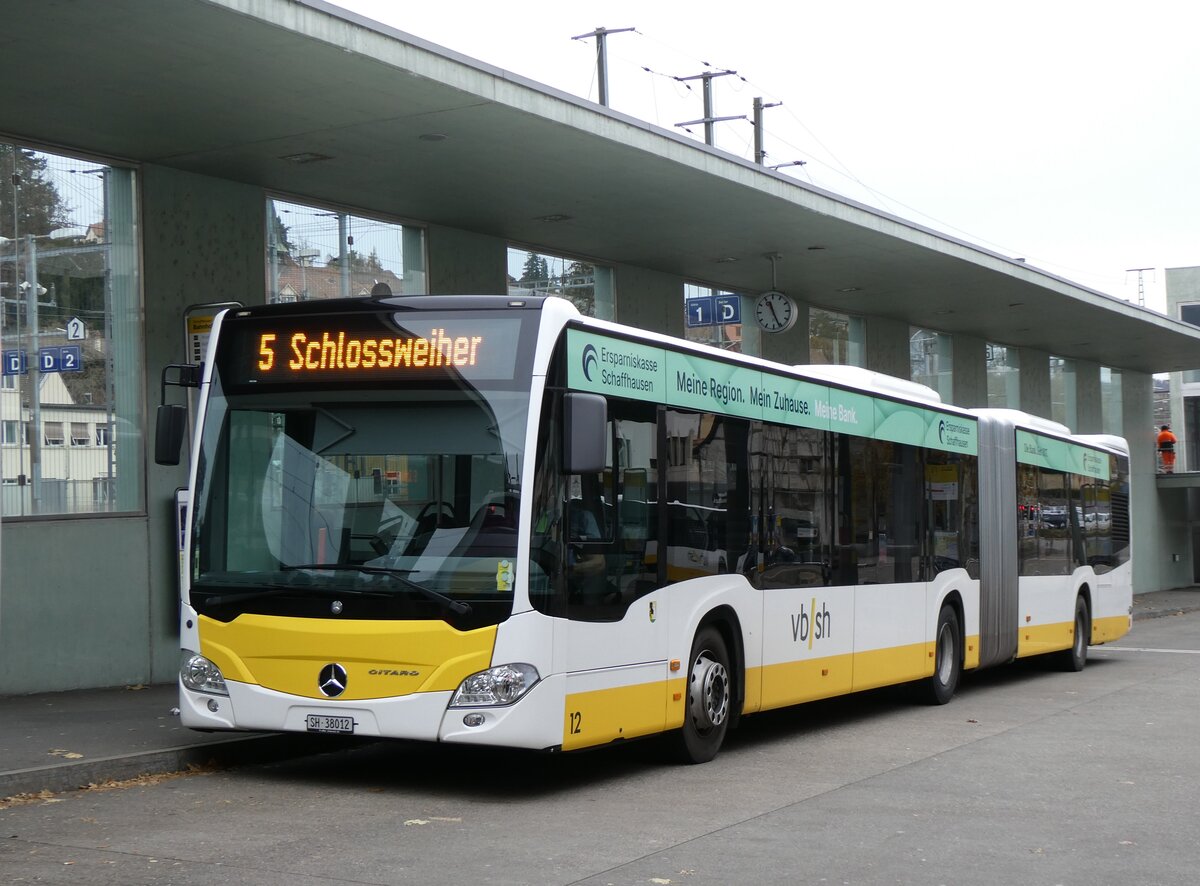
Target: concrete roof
(228, 88)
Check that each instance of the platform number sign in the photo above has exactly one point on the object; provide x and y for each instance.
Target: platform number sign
(713, 310)
(68, 358)
(700, 311)
(14, 363)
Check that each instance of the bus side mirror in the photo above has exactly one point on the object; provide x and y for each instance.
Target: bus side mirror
(171, 421)
(168, 433)
(585, 433)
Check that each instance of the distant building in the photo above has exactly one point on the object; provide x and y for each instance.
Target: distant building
(301, 281)
(1183, 392)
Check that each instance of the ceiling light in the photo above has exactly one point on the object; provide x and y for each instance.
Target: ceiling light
(851, 289)
(305, 157)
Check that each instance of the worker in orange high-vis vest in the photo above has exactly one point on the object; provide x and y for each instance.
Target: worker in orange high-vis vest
(1166, 449)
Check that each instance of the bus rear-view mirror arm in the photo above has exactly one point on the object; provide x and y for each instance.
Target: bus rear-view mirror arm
(171, 421)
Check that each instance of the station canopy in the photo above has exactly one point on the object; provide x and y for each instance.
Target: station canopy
(304, 98)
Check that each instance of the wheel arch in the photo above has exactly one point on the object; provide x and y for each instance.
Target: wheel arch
(1085, 591)
(954, 600)
(725, 621)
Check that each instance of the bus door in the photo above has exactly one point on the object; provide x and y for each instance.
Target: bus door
(886, 517)
(615, 645)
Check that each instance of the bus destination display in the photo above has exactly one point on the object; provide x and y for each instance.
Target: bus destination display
(263, 350)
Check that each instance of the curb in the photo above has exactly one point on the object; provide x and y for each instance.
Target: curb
(1164, 612)
(260, 748)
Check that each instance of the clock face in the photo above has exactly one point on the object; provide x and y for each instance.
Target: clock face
(775, 312)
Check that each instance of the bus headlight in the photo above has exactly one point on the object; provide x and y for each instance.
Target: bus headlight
(500, 685)
(200, 675)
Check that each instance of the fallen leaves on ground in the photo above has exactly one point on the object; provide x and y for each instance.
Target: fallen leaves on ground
(139, 781)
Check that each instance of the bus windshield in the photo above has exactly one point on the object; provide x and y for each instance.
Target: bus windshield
(393, 503)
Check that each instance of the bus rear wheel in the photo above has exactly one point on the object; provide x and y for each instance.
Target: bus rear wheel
(947, 662)
(1075, 658)
(709, 699)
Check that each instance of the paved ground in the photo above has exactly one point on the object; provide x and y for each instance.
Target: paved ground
(61, 741)
(1028, 776)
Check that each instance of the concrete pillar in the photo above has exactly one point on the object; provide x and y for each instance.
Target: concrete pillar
(1089, 410)
(970, 372)
(1162, 555)
(463, 263)
(888, 349)
(649, 300)
(1034, 382)
(202, 241)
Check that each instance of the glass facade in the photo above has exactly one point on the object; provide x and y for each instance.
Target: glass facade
(71, 330)
(1190, 314)
(319, 252)
(1003, 377)
(931, 355)
(836, 338)
(587, 286)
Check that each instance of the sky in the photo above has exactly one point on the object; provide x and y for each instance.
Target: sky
(1066, 133)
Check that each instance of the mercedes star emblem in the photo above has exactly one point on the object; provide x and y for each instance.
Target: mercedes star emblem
(332, 680)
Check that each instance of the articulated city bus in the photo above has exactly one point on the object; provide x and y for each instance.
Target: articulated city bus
(495, 521)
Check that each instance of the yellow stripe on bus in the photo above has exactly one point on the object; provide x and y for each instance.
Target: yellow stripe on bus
(604, 715)
(383, 659)
(1110, 628)
(899, 664)
(793, 682)
(1038, 639)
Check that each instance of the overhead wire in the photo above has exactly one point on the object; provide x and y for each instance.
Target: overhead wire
(811, 159)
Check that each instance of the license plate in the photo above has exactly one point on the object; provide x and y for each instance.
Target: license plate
(327, 723)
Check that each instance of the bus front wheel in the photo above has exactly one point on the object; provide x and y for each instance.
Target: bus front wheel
(709, 698)
(1075, 658)
(947, 662)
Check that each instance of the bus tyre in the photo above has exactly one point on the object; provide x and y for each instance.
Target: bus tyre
(947, 661)
(709, 699)
(1075, 658)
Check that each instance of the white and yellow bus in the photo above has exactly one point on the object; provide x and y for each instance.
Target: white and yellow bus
(443, 518)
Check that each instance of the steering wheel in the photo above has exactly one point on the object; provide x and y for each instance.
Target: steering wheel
(442, 508)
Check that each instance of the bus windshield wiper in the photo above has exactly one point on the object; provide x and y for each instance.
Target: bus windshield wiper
(272, 590)
(458, 607)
